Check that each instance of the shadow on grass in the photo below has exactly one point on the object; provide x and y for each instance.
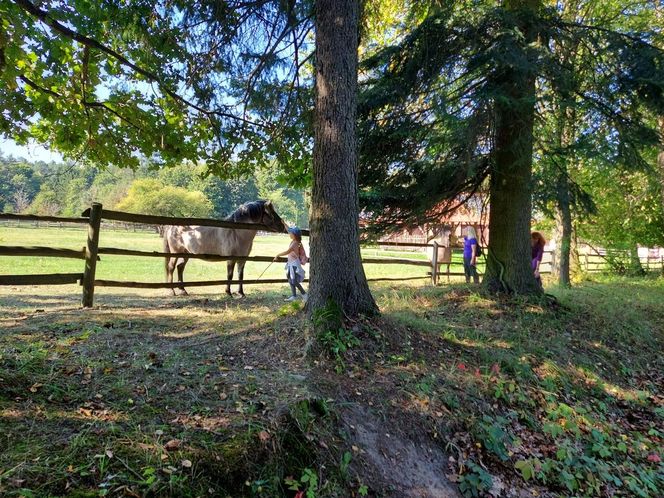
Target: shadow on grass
(130, 376)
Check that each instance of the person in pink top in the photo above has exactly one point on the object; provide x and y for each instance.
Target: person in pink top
(296, 257)
(537, 243)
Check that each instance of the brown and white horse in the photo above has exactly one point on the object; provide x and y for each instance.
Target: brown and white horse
(222, 241)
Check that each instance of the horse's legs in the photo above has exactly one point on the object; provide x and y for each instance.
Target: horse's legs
(240, 275)
(230, 268)
(170, 268)
(182, 262)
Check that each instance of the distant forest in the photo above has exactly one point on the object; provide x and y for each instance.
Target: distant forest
(184, 190)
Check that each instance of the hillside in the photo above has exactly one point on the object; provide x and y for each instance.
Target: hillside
(450, 392)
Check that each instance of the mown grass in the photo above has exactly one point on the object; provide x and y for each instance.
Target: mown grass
(149, 394)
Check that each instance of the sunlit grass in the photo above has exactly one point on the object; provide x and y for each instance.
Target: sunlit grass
(145, 269)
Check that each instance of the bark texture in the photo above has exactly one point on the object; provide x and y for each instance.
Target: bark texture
(509, 253)
(660, 158)
(336, 266)
(563, 213)
(563, 234)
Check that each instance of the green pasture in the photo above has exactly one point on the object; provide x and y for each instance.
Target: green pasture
(152, 269)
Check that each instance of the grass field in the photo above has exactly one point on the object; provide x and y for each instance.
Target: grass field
(450, 391)
(152, 269)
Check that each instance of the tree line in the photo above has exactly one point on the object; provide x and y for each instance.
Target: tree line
(65, 189)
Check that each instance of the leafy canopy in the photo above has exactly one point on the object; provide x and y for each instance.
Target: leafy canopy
(428, 104)
(118, 81)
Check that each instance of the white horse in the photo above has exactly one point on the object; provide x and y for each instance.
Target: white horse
(222, 241)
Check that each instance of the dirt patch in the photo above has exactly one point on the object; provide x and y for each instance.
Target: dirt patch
(402, 466)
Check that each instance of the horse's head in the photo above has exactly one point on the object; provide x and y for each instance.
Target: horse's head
(271, 219)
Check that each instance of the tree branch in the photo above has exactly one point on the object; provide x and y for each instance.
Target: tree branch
(44, 17)
(92, 105)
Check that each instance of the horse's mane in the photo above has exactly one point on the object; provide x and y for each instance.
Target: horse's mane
(252, 210)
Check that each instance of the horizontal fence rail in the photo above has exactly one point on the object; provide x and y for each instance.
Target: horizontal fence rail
(108, 214)
(264, 259)
(211, 283)
(43, 279)
(208, 257)
(49, 252)
(176, 285)
(441, 259)
(34, 217)
(394, 244)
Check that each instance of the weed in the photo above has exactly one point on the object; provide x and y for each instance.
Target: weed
(345, 462)
(475, 481)
(493, 435)
(332, 335)
(336, 343)
(308, 483)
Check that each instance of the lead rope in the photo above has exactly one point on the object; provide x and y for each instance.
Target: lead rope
(266, 268)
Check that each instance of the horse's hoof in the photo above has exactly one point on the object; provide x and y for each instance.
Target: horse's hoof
(182, 292)
(239, 295)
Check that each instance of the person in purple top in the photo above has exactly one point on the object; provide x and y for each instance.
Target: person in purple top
(470, 255)
(537, 243)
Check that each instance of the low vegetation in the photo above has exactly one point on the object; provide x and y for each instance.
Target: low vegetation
(207, 396)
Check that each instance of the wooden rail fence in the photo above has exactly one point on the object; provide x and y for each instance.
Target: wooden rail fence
(92, 218)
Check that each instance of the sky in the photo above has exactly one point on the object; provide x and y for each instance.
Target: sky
(31, 152)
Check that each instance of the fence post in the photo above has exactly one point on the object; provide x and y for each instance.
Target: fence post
(434, 264)
(553, 260)
(91, 255)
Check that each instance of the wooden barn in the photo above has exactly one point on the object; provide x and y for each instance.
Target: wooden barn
(448, 230)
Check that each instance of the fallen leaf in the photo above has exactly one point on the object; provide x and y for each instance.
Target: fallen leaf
(186, 464)
(173, 444)
(109, 453)
(264, 436)
(35, 387)
(654, 457)
(85, 412)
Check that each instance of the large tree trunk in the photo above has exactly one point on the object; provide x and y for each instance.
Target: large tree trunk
(660, 160)
(563, 214)
(659, 12)
(336, 267)
(509, 255)
(635, 266)
(563, 235)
